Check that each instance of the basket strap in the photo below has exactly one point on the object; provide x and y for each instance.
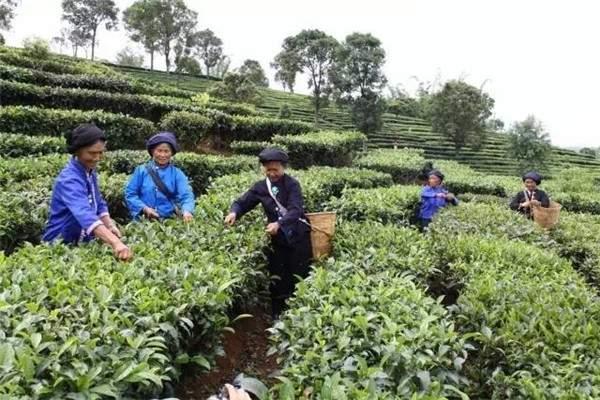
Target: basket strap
(314, 228)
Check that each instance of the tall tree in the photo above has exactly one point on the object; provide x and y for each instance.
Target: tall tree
(7, 13)
(175, 19)
(314, 51)
(209, 48)
(254, 72)
(529, 144)
(222, 67)
(79, 40)
(287, 66)
(357, 79)
(141, 20)
(460, 111)
(88, 15)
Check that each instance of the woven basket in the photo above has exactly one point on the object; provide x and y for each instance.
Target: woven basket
(322, 231)
(547, 217)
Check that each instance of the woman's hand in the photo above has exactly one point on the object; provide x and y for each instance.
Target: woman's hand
(150, 213)
(273, 228)
(535, 203)
(230, 219)
(187, 216)
(526, 204)
(122, 252)
(450, 197)
(236, 394)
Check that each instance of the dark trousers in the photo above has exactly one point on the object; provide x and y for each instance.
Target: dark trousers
(286, 262)
(424, 223)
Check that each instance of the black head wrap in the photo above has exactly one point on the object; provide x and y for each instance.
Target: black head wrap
(534, 176)
(437, 173)
(82, 136)
(273, 154)
(163, 137)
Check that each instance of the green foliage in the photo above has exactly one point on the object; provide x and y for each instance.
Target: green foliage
(94, 82)
(249, 148)
(141, 21)
(36, 48)
(395, 204)
(404, 165)
(357, 79)
(192, 127)
(129, 58)
(312, 52)
(7, 13)
(407, 106)
(236, 88)
(588, 151)
(459, 111)
(336, 149)
(141, 106)
(351, 320)
(284, 112)
(88, 15)
(122, 131)
(254, 72)
(18, 145)
(209, 49)
(529, 144)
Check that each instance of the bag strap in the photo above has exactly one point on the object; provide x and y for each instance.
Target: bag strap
(282, 209)
(160, 185)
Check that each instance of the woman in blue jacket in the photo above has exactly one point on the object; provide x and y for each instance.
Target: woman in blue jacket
(78, 212)
(434, 197)
(158, 189)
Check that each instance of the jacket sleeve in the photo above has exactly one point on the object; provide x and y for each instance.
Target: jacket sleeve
(135, 205)
(425, 193)
(246, 202)
(295, 206)
(514, 203)
(73, 193)
(185, 195)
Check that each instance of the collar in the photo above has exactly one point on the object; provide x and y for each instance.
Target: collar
(80, 167)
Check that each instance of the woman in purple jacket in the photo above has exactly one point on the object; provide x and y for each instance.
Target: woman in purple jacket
(433, 197)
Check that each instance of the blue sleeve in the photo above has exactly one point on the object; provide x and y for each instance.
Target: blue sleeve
(135, 205)
(73, 193)
(246, 203)
(102, 206)
(185, 195)
(295, 205)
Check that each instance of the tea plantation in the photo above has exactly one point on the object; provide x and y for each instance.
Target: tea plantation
(486, 305)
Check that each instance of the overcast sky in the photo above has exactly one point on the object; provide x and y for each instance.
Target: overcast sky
(533, 57)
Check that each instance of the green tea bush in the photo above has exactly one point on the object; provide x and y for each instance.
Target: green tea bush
(395, 204)
(533, 319)
(404, 165)
(264, 128)
(19, 145)
(250, 148)
(123, 132)
(335, 149)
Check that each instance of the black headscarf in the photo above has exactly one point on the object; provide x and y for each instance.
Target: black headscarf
(82, 136)
(273, 154)
(534, 176)
(437, 173)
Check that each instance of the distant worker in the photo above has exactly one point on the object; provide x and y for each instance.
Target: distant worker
(78, 212)
(525, 200)
(434, 196)
(158, 189)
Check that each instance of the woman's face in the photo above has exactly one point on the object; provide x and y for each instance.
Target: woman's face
(162, 154)
(434, 181)
(530, 184)
(91, 155)
(273, 170)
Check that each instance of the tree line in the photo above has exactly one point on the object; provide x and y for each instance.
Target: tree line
(348, 73)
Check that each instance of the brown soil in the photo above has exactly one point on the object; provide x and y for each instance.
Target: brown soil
(245, 351)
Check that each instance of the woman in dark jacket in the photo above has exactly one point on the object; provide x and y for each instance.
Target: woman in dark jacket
(531, 196)
(281, 198)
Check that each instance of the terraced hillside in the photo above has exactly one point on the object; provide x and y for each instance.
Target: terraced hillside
(398, 131)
